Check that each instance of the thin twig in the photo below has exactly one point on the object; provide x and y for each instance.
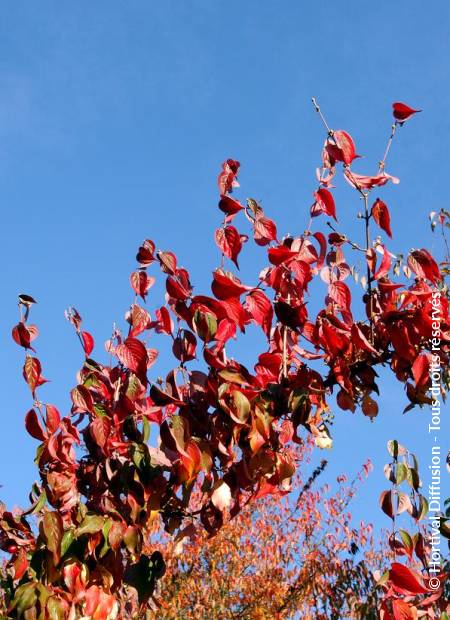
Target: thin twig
(388, 148)
(319, 112)
(369, 275)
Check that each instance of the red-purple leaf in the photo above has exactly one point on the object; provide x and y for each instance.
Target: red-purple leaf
(145, 254)
(24, 335)
(424, 265)
(421, 370)
(230, 206)
(385, 265)
(225, 285)
(53, 418)
(132, 354)
(229, 242)
(33, 426)
(139, 320)
(168, 262)
(341, 147)
(227, 177)
(264, 231)
(405, 580)
(32, 373)
(380, 214)
(141, 282)
(324, 203)
(259, 307)
(88, 343)
(361, 181)
(402, 112)
(340, 294)
(82, 399)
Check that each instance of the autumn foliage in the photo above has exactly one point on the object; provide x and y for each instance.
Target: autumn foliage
(228, 435)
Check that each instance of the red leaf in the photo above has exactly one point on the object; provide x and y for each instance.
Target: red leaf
(380, 214)
(369, 407)
(324, 204)
(141, 282)
(387, 504)
(184, 346)
(403, 611)
(167, 262)
(227, 178)
(164, 323)
(234, 311)
(334, 342)
(100, 430)
(402, 112)
(340, 294)
(23, 335)
(152, 356)
(280, 254)
(383, 269)
(259, 307)
(323, 248)
(146, 252)
(294, 315)
(360, 341)
(264, 231)
(32, 373)
(88, 343)
(133, 355)
(33, 425)
(82, 399)
(229, 206)
(405, 580)
(139, 320)
(52, 418)
(341, 147)
(421, 370)
(178, 286)
(229, 242)
(20, 564)
(424, 265)
(225, 330)
(361, 181)
(225, 285)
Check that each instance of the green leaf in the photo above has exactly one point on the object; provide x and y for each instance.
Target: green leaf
(145, 429)
(90, 525)
(37, 505)
(53, 530)
(407, 540)
(205, 325)
(413, 478)
(401, 473)
(100, 410)
(25, 598)
(105, 531)
(66, 541)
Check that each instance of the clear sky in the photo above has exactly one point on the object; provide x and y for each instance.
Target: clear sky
(114, 119)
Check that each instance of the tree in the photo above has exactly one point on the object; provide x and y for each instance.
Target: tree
(275, 559)
(223, 429)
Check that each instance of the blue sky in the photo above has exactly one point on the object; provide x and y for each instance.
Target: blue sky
(114, 119)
